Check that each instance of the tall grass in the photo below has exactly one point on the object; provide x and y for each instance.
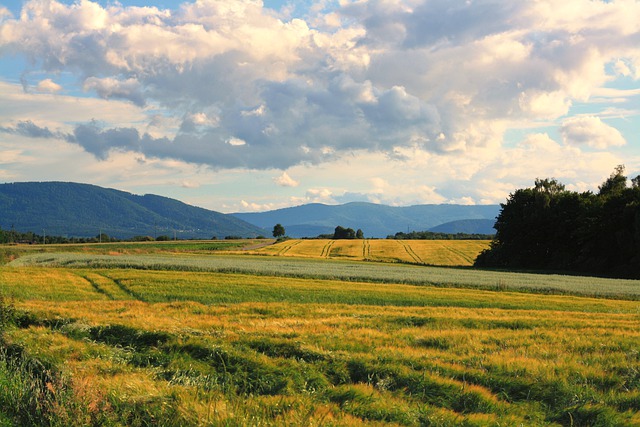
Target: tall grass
(313, 364)
(347, 271)
(196, 340)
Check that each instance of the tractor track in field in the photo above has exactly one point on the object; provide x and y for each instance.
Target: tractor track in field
(366, 249)
(288, 247)
(460, 253)
(326, 250)
(106, 286)
(409, 250)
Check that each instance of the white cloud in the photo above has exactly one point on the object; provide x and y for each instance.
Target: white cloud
(236, 142)
(4, 13)
(592, 132)
(285, 180)
(189, 184)
(48, 86)
(255, 207)
(315, 195)
(391, 73)
(62, 111)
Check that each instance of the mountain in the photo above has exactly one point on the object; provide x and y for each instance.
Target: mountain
(374, 220)
(466, 226)
(83, 210)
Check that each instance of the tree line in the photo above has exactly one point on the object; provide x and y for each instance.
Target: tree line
(432, 235)
(548, 227)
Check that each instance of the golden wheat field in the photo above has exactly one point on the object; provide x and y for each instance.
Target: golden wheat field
(429, 252)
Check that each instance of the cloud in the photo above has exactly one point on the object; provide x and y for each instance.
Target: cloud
(107, 88)
(189, 184)
(31, 130)
(449, 75)
(285, 180)
(48, 86)
(419, 94)
(592, 132)
(255, 207)
(315, 195)
(63, 111)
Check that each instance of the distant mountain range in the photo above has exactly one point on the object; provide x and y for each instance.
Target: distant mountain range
(82, 210)
(377, 220)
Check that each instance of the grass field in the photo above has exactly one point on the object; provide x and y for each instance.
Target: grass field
(349, 271)
(431, 252)
(147, 338)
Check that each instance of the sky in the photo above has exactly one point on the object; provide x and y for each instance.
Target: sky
(244, 105)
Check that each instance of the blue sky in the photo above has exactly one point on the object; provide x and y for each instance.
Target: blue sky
(240, 105)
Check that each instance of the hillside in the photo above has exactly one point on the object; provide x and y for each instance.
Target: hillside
(375, 220)
(82, 210)
(466, 226)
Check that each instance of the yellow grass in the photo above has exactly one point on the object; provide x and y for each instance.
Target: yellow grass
(431, 252)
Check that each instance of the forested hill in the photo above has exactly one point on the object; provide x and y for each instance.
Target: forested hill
(82, 210)
(377, 220)
(548, 227)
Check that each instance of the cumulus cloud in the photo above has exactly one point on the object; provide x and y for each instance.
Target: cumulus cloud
(285, 180)
(375, 76)
(109, 87)
(255, 207)
(48, 86)
(592, 132)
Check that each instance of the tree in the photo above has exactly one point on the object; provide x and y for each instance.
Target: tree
(615, 184)
(359, 234)
(548, 227)
(344, 233)
(278, 231)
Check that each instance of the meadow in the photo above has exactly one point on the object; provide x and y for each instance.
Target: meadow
(185, 337)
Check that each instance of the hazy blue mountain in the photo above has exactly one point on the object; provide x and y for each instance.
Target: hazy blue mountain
(375, 220)
(467, 226)
(82, 210)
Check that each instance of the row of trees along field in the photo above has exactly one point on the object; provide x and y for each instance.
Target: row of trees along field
(341, 232)
(548, 227)
(431, 235)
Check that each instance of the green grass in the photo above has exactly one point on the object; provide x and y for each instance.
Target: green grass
(281, 363)
(348, 271)
(189, 339)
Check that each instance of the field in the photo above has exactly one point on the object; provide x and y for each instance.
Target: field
(431, 252)
(147, 335)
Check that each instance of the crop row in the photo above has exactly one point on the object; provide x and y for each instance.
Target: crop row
(426, 252)
(347, 271)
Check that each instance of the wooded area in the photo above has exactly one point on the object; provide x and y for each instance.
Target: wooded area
(548, 227)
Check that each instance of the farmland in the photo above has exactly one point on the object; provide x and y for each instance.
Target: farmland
(194, 336)
(431, 252)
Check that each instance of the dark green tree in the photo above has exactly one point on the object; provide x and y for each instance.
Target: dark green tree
(344, 233)
(615, 184)
(548, 227)
(359, 234)
(278, 231)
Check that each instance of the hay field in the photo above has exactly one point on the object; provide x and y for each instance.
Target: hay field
(428, 252)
